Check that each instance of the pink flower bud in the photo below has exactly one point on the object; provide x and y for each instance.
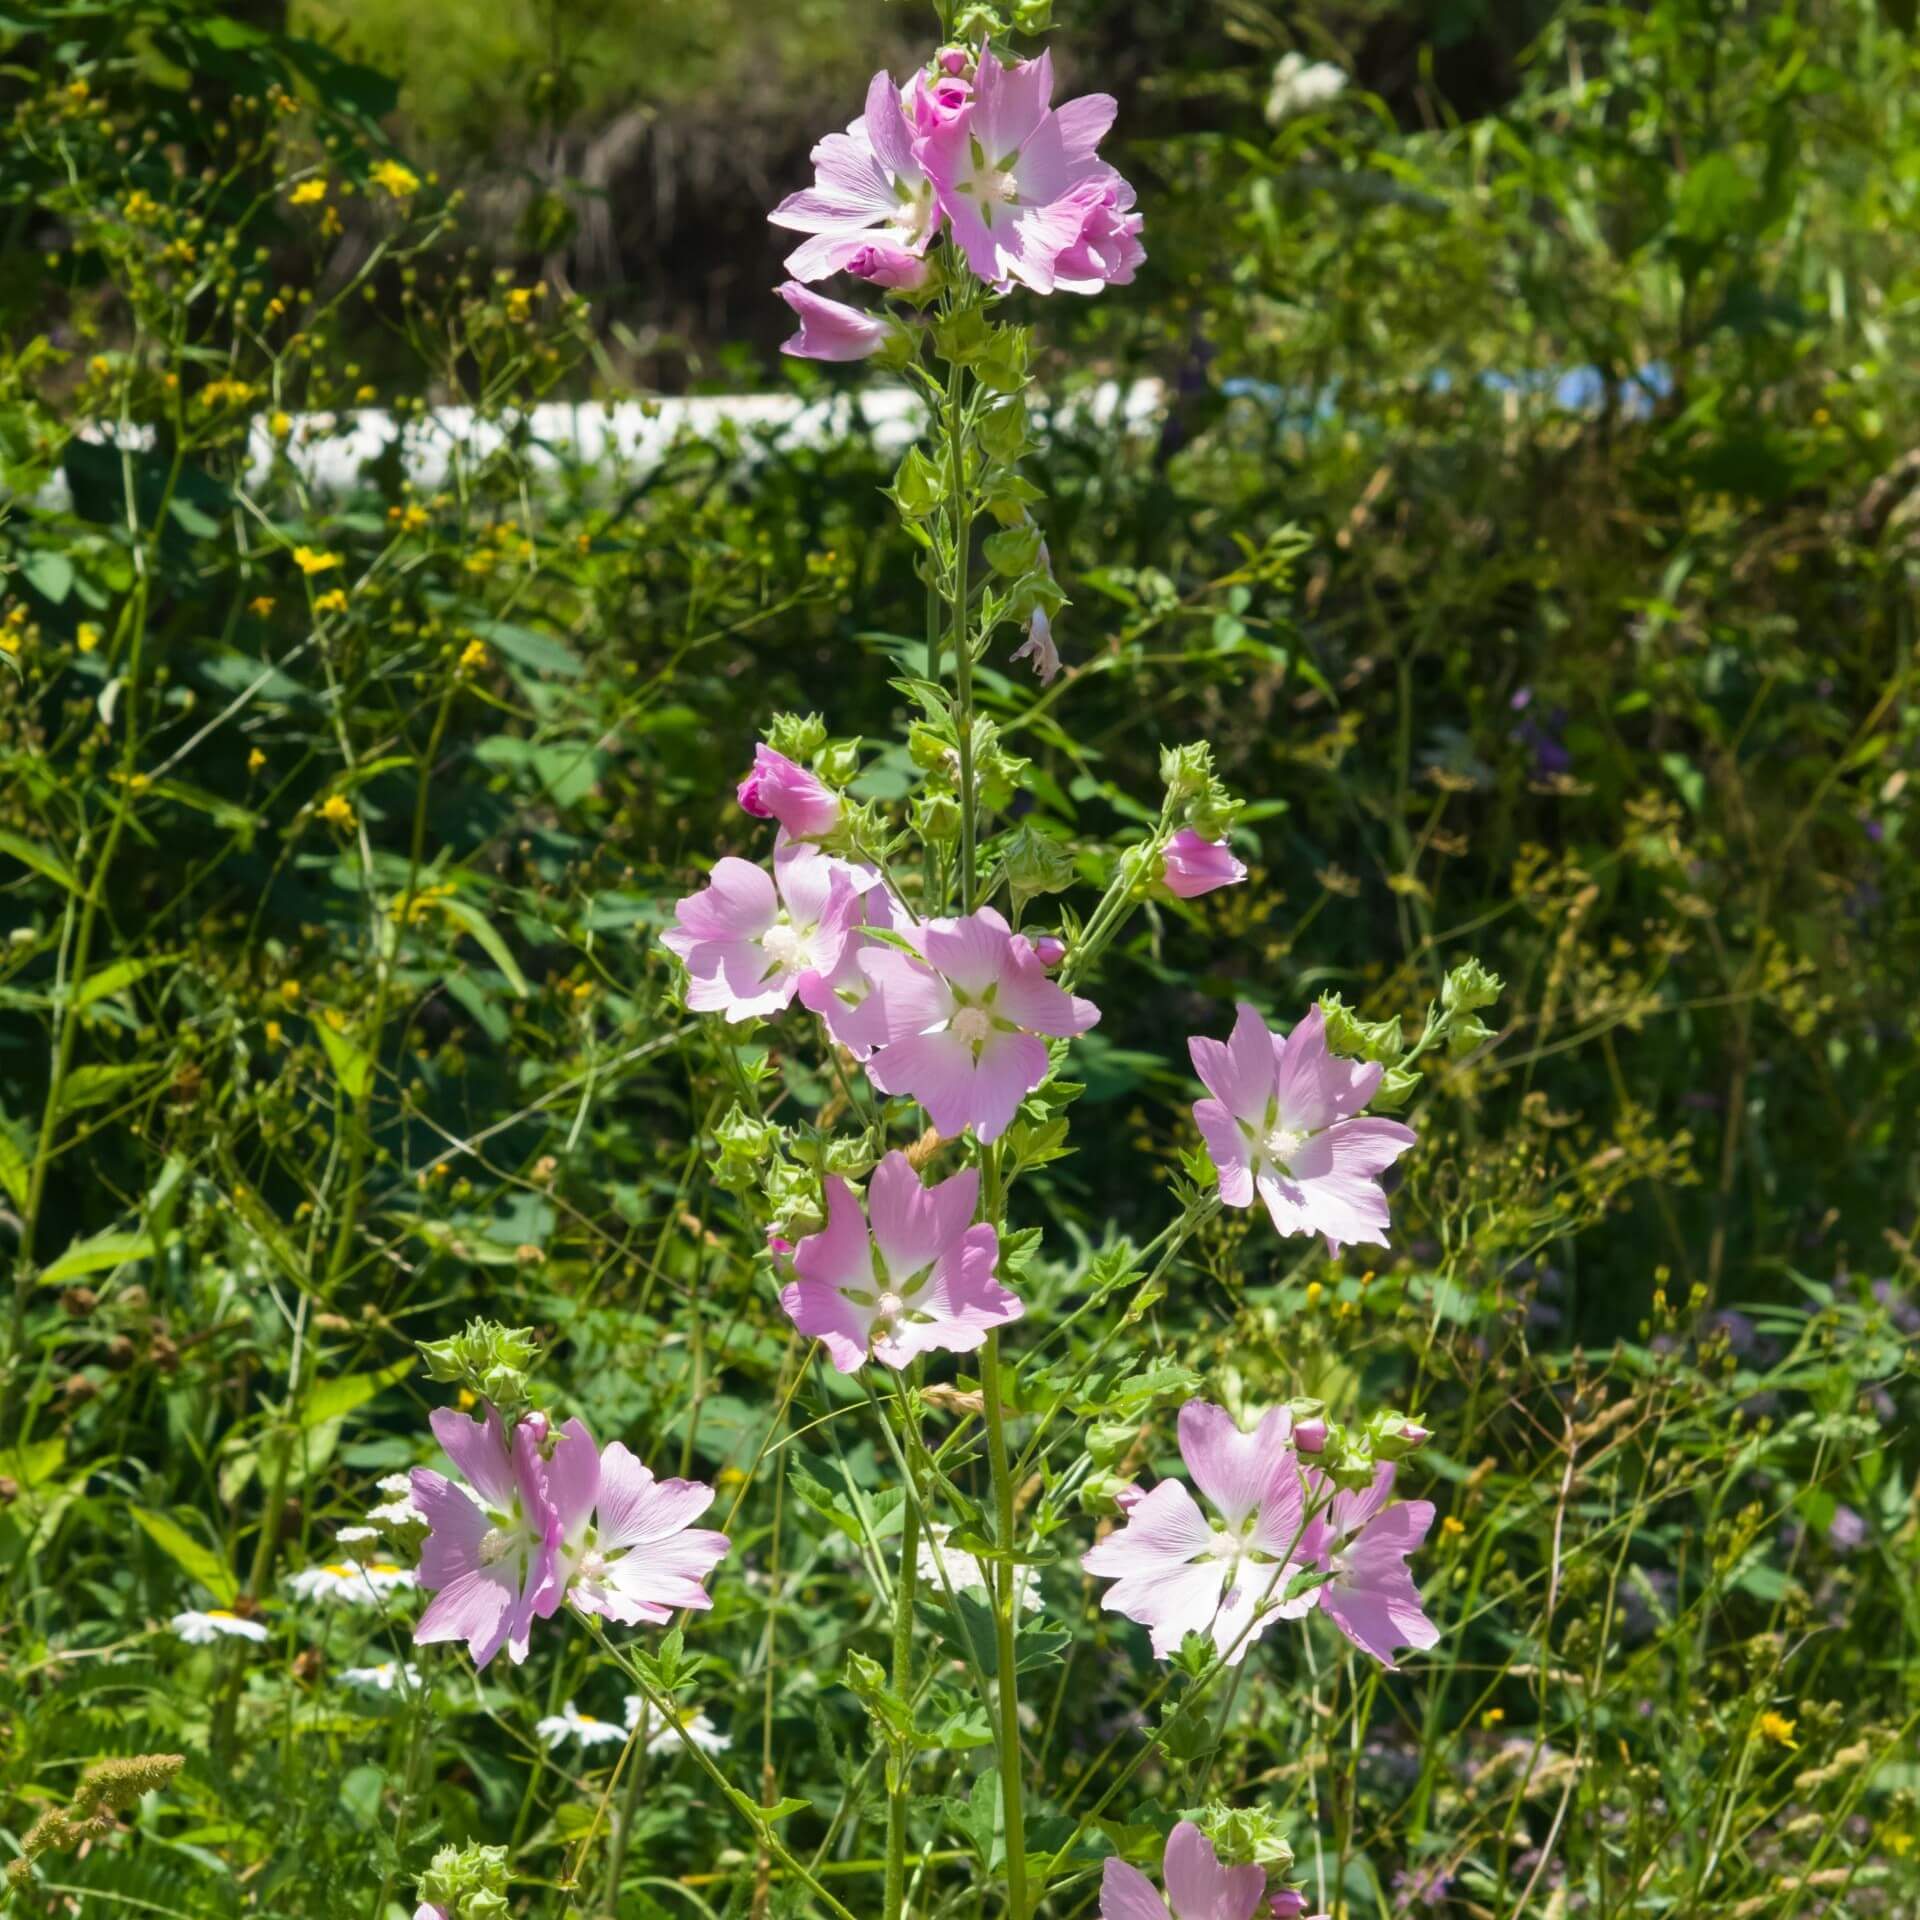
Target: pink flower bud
(1192, 866)
(780, 789)
(1288, 1904)
(778, 1247)
(954, 60)
(1049, 949)
(884, 265)
(1310, 1436)
(1127, 1497)
(829, 329)
(1415, 1435)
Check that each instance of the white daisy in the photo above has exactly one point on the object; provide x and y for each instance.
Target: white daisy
(383, 1678)
(570, 1723)
(351, 1582)
(1300, 85)
(199, 1629)
(699, 1729)
(965, 1573)
(399, 1510)
(357, 1536)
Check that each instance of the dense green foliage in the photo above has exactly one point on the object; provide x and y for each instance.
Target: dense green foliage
(1531, 529)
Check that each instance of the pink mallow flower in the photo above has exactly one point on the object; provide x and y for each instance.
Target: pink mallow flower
(1281, 1124)
(1191, 866)
(1176, 1572)
(751, 941)
(781, 789)
(1198, 1886)
(1363, 1544)
(919, 1281)
(963, 1030)
(846, 999)
(628, 1549)
(492, 1559)
(869, 192)
(1020, 185)
(830, 329)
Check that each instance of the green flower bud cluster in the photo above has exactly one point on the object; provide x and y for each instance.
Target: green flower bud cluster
(1195, 797)
(1352, 1455)
(1245, 1837)
(489, 1360)
(1382, 1040)
(467, 1883)
(1035, 863)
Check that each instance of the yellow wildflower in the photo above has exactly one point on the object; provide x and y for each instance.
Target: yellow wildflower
(275, 1033)
(280, 424)
(410, 518)
(473, 656)
(312, 560)
(1779, 1729)
(333, 602)
(289, 991)
(86, 636)
(256, 760)
(1492, 1717)
(1315, 1293)
(1451, 1529)
(307, 192)
(519, 303)
(397, 180)
(261, 605)
(100, 366)
(337, 811)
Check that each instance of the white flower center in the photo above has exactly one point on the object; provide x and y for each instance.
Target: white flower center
(889, 1307)
(593, 1564)
(1003, 186)
(495, 1544)
(783, 945)
(1282, 1144)
(971, 1024)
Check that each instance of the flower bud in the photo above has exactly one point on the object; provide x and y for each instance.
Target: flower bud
(1288, 1904)
(489, 1360)
(1469, 986)
(1035, 863)
(1310, 1436)
(1049, 949)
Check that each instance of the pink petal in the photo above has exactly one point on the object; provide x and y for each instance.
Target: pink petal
(458, 1525)
(914, 1225)
(1084, 122)
(480, 1608)
(1227, 1146)
(840, 1255)
(736, 903)
(1011, 1065)
(972, 952)
(962, 1303)
(478, 1447)
(1240, 1074)
(1028, 998)
(573, 1477)
(1315, 1086)
(886, 124)
(667, 1573)
(822, 1312)
(1235, 1470)
(916, 998)
(636, 1510)
(1127, 1894)
(934, 1068)
(1200, 1888)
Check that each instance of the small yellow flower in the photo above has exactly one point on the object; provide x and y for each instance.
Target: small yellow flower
(519, 303)
(308, 192)
(397, 180)
(409, 519)
(1779, 1729)
(473, 656)
(467, 1398)
(86, 636)
(1315, 1293)
(337, 811)
(280, 424)
(261, 605)
(289, 991)
(333, 602)
(1492, 1717)
(312, 560)
(256, 760)
(365, 396)
(275, 1033)
(1898, 1844)
(100, 366)
(1452, 1529)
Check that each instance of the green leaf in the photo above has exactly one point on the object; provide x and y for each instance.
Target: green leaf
(123, 973)
(483, 930)
(16, 1167)
(31, 854)
(89, 1086)
(528, 649)
(49, 574)
(352, 1064)
(96, 1254)
(199, 1562)
(780, 1810)
(332, 1399)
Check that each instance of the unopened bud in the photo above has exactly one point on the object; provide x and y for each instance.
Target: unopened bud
(1049, 949)
(1310, 1436)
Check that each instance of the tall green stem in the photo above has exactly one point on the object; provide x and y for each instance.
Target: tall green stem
(960, 625)
(1005, 1590)
(899, 1774)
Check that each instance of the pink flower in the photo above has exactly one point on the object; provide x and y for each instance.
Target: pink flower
(1039, 647)
(426, 1910)
(884, 265)
(1049, 949)
(864, 179)
(1019, 183)
(920, 1282)
(1280, 1124)
(780, 789)
(830, 329)
(1364, 1544)
(1175, 1572)
(751, 942)
(847, 999)
(628, 1549)
(491, 1560)
(1198, 1886)
(1191, 866)
(963, 1031)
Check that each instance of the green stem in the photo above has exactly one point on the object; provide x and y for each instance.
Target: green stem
(899, 1776)
(960, 623)
(1005, 1586)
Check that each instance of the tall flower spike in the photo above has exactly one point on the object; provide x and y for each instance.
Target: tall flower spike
(1175, 1572)
(1280, 1124)
(920, 1280)
(871, 205)
(1198, 1886)
(628, 1549)
(964, 1030)
(751, 942)
(491, 1559)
